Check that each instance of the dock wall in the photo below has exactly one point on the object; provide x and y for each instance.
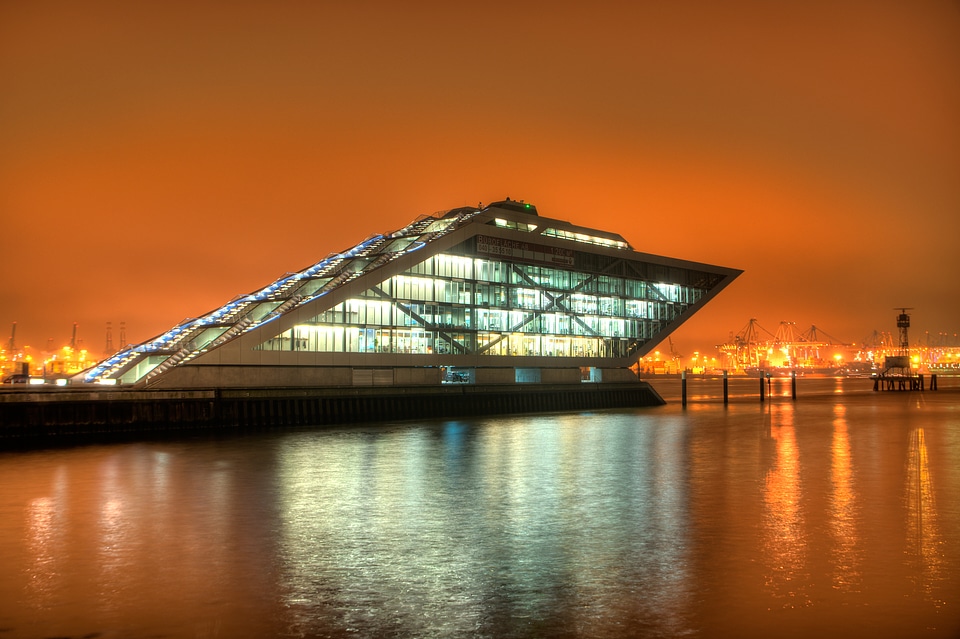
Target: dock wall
(51, 415)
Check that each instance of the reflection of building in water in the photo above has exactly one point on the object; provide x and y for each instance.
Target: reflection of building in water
(560, 527)
(473, 295)
(924, 540)
(784, 540)
(843, 509)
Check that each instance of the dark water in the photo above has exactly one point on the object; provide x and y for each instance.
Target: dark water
(835, 515)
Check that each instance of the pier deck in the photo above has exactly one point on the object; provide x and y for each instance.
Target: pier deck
(903, 383)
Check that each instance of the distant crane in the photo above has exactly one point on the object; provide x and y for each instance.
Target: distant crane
(673, 351)
(755, 346)
(815, 334)
(108, 347)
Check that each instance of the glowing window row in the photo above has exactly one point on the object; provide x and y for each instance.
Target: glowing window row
(516, 226)
(423, 289)
(362, 313)
(586, 239)
(605, 315)
(354, 339)
(545, 277)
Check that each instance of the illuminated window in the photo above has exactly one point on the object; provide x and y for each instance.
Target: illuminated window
(453, 304)
(516, 226)
(586, 239)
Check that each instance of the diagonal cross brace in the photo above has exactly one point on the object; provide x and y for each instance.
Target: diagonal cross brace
(420, 320)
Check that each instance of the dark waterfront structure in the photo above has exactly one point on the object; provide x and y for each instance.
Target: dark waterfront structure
(898, 372)
(492, 295)
(64, 416)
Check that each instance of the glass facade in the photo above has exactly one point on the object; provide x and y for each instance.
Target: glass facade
(475, 304)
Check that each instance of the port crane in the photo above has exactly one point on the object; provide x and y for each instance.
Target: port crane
(673, 351)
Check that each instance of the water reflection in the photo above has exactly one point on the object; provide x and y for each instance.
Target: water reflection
(828, 518)
(536, 528)
(924, 541)
(42, 539)
(843, 513)
(45, 536)
(114, 533)
(116, 539)
(784, 540)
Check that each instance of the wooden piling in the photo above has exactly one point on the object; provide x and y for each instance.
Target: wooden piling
(683, 388)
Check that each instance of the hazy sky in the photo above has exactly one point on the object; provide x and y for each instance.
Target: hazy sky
(159, 158)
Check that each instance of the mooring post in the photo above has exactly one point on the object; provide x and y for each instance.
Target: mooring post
(725, 387)
(793, 385)
(683, 388)
(761, 386)
(933, 381)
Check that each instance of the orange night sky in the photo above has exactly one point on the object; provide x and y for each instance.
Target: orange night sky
(159, 158)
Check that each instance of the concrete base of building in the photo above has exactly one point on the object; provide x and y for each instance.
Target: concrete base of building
(251, 376)
(55, 417)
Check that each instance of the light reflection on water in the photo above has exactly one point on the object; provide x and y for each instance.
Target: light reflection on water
(784, 530)
(924, 541)
(830, 514)
(844, 512)
(508, 528)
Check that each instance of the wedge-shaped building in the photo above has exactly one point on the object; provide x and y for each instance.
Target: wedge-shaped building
(491, 295)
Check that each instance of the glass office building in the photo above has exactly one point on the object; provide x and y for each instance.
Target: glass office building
(497, 294)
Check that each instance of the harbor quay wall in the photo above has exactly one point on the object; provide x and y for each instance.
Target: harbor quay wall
(48, 416)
